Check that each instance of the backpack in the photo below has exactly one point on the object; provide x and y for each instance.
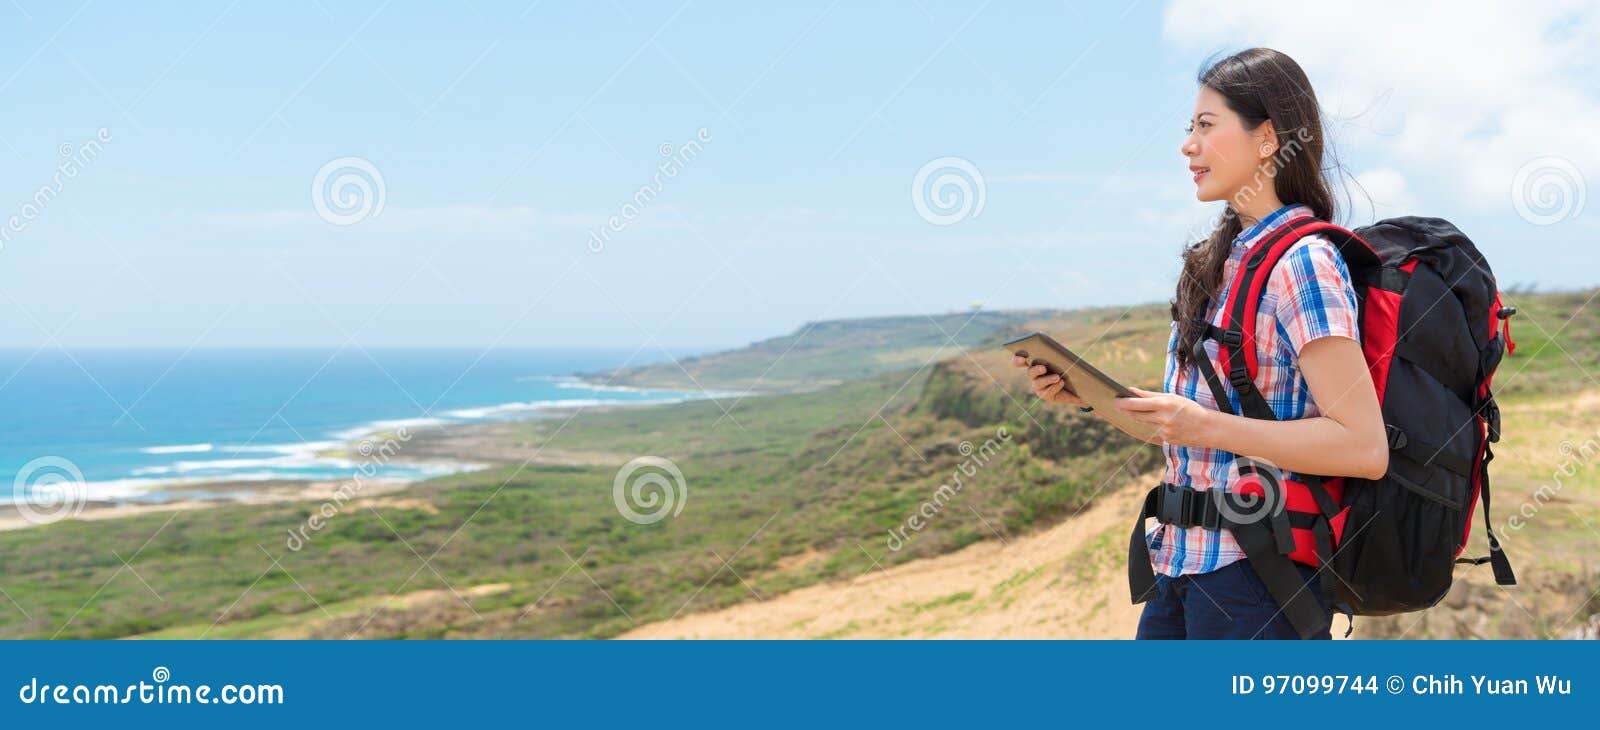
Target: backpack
(1433, 331)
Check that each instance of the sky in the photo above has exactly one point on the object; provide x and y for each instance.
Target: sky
(696, 175)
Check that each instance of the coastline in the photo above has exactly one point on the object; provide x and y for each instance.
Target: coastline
(238, 493)
(469, 446)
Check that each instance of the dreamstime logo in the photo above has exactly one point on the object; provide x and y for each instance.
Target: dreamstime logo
(1255, 491)
(948, 190)
(973, 459)
(75, 158)
(1267, 173)
(1548, 190)
(158, 691)
(675, 158)
(668, 491)
(48, 489)
(375, 454)
(347, 191)
(1574, 457)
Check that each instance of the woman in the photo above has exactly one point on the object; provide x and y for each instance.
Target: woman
(1255, 141)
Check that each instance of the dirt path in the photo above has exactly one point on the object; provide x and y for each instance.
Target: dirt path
(1066, 582)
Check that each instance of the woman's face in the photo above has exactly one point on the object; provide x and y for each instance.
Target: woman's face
(1224, 157)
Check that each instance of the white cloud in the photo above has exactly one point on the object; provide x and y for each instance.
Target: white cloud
(1463, 94)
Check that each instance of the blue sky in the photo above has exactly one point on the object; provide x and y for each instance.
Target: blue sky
(505, 134)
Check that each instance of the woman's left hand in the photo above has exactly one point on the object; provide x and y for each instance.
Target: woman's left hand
(1181, 422)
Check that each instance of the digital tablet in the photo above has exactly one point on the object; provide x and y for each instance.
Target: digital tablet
(1097, 389)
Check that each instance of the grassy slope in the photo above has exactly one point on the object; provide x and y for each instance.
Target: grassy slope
(826, 353)
(789, 489)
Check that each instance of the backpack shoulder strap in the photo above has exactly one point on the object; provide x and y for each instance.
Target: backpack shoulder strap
(1238, 351)
(1236, 337)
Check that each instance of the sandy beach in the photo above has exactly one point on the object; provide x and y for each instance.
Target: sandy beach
(472, 445)
(237, 492)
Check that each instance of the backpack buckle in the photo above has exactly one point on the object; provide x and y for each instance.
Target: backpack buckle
(1185, 507)
(1397, 437)
(1229, 337)
(1210, 516)
(1492, 418)
(1169, 504)
(1240, 378)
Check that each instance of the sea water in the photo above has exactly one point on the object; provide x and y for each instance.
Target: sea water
(133, 421)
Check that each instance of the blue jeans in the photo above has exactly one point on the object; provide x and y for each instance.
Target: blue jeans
(1227, 603)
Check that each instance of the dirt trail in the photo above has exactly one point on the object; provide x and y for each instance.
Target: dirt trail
(1066, 582)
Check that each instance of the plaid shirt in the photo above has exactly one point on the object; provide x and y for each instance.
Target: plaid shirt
(1308, 296)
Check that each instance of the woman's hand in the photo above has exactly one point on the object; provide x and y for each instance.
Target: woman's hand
(1047, 385)
(1181, 422)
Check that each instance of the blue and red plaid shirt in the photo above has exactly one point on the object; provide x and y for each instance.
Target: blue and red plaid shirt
(1308, 296)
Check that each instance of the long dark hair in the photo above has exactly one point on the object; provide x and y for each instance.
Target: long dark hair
(1258, 84)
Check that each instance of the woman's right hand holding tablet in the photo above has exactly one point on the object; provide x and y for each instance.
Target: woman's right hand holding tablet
(1050, 387)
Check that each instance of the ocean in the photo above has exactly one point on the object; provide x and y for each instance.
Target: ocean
(132, 421)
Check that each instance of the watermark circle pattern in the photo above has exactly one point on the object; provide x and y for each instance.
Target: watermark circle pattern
(347, 191)
(948, 190)
(1548, 190)
(649, 489)
(48, 489)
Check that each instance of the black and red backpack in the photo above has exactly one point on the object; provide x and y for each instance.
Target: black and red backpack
(1433, 331)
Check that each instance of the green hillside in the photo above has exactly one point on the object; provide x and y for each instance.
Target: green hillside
(827, 353)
